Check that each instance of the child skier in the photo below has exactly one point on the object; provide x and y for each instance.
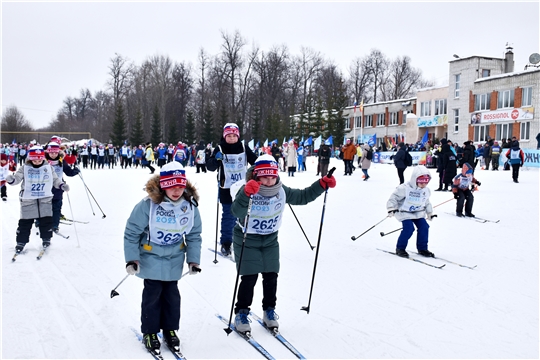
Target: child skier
(411, 205)
(55, 157)
(462, 192)
(261, 248)
(230, 158)
(37, 179)
(4, 171)
(163, 230)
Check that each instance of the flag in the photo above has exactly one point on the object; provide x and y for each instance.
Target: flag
(257, 146)
(274, 141)
(309, 141)
(302, 141)
(372, 140)
(355, 103)
(251, 144)
(344, 140)
(425, 139)
(329, 141)
(362, 106)
(284, 141)
(318, 142)
(266, 143)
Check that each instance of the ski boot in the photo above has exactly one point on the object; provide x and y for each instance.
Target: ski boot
(426, 253)
(226, 249)
(152, 344)
(241, 321)
(270, 319)
(172, 341)
(402, 253)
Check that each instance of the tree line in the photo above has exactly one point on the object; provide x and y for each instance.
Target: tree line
(164, 100)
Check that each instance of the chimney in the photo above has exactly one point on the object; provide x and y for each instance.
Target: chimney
(509, 60)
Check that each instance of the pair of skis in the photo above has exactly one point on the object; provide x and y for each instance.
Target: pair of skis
(157, 356)
(40, 255)
(274, 332)
(475, 218)
(429, 264)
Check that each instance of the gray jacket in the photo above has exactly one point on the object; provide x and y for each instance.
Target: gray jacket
(398, 197)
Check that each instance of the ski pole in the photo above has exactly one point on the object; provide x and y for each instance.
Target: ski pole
(74, 225)
(217, 216)
(104, 216)
(306, 308)
(444, 202)
(312, 247)
(393, 231)
(88, 196)
(113, 291)
(228, 329)
(356, 237)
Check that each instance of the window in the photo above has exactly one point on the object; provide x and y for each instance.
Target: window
(481, 133)
(525, 130)
(347, 124)
(393, 118)
(425, 108)
(368, 122)
(481, 102)
(381, 120)
(505, 99)
(357, 121)
(404, 120)
(440, 107)
(503, 131)
(526, 96)
(457, 80)
(486, 72)
(456, 120)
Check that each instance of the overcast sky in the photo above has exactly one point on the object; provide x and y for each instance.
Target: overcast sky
(53, 50)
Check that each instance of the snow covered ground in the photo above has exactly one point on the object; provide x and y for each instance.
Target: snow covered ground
(365, 304)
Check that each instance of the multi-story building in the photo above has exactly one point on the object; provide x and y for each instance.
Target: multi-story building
(485, 99)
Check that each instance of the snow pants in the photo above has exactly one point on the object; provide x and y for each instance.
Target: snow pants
(227, 224)
(465, 198)
(56, 212)
(25, 226)
(408, 229)
(160, 308)
(247, 285)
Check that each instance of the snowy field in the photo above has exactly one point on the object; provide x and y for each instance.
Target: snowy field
(365, 303)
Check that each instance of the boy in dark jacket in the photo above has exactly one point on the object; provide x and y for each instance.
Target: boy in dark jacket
(399, 162)
(261, 247)
(230, 158)
(462, 193)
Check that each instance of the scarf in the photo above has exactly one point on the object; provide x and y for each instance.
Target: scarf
(270, 191)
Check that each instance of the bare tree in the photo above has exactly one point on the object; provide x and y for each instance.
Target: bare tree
(377, 68)
(121, 72)
(360, 80)
(13, 120)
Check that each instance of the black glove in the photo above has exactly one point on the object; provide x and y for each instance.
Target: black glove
(478, 183)
(132, 268)
(76, 171)
(456, 195)
(391, 213)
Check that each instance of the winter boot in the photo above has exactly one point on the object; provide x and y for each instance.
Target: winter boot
(426, 253)
(270, 318)
(241, 321)
(171, 339)
(151, 342)
(459, 214)
(226, 249)
(469, 214)
(402, 253)
(46, 243)
(19, 247)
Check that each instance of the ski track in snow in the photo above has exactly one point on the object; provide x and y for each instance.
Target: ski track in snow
(365, 303)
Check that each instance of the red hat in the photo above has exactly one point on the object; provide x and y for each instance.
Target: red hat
(266, 165)
(3, 157)
(423, 179)
(231, 128)
(172, 175)
(36, 153)
(56, 139)
(53, 147)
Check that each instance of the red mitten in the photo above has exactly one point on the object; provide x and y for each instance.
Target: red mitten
(251, 188)
(327, 182)
(70, 159)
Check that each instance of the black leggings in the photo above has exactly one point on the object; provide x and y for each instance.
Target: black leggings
(245, 291)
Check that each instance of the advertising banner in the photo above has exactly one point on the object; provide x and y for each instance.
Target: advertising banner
(438, 120)
(383, 157)
(502, 115)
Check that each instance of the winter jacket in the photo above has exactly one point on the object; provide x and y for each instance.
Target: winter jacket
(324, 154)
(449, 164)
(56, 165)
(399, 159)
(261, 252)
(468, 155)
(365, 163)
(161, 262)
(212, 164)
(397, 199)
(35, 208)
(291, 156)
(349, 151)
(464, 180)
(515, 156)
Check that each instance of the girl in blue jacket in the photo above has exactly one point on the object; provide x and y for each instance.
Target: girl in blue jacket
(162, 232)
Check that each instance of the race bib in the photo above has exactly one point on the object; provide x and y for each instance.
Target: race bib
(415, 200)
(266, 214)
(234, 168)
(168, 222)
(38, 182)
